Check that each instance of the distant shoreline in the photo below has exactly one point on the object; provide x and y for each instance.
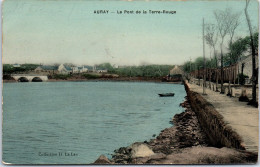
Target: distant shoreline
(120, 79)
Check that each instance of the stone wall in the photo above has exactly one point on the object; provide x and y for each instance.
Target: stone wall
(212, 123)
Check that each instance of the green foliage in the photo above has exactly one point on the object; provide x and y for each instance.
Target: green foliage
(239, 47)
(236, 51)
(61, 76)
(199, 62)
(91, 76)
(189, 66)
(255, 40)
(152, 71)
(9, 69)
(227, 59)
(107, 66)
(212, 63)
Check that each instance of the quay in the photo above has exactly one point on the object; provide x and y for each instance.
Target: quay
(242, 118)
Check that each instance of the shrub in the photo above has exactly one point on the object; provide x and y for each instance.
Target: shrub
(242, 78)
(61, 76)
(91, 76)
(7, 77)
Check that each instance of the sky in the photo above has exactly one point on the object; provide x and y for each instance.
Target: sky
(68, 31)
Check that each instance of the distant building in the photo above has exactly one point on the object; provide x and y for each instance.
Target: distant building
(75, 69)
(16, 65)
(175, 75)
(94, 69)
(176, 71)
(62, 69)
(101, 70)
(47, 69)
(81, 69)
(87, 69)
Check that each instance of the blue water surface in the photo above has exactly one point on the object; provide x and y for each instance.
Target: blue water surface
(44, 121)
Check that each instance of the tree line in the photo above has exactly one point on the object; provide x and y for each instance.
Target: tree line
(9, 68)
(149, 71)
(236, 51)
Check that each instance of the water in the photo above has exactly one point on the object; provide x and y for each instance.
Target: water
(85, 119)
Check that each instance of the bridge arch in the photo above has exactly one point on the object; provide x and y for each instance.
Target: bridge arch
(23, 79)
(36, 79)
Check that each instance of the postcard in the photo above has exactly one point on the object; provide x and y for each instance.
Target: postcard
(130, 82)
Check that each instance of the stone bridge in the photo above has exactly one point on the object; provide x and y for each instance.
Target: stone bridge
(29, 77)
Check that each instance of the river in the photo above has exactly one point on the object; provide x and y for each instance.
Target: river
(75, 122)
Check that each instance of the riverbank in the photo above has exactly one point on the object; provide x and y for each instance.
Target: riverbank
(183, 143)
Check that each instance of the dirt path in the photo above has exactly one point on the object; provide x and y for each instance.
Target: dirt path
(241, 117)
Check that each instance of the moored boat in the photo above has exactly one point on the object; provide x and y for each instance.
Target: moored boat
(166, 94)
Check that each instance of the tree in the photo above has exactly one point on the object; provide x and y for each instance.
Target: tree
(233, 20)
(240, 46)
(227, 22)
(24, 68)
(237, 48)
(107, 66)
(211, 38)
(254, 75)
(223, 28)
(187, 67)
(199, 61)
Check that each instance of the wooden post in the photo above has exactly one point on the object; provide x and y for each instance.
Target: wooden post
(217, 76)
(204, 64)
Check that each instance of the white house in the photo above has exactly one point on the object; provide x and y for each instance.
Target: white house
(102, 70)
(75, 69)
(99, 70)
(79, 69)
(83, 69)
(16, 65)
(64, 69)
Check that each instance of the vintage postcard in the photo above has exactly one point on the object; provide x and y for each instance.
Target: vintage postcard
(130, 82)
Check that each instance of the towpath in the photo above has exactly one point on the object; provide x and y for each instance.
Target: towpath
(241, 117)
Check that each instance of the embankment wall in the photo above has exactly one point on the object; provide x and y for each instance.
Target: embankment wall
(218, 132)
